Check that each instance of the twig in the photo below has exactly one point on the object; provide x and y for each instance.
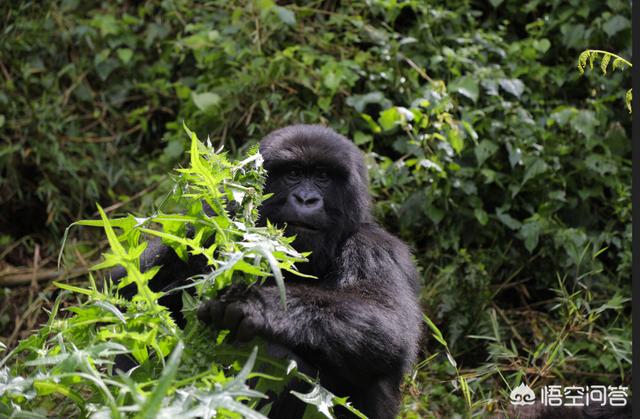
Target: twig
(70, 89)
(17, 277)
(5, 72)
(12, 246)
(420, 71)
(117, 205)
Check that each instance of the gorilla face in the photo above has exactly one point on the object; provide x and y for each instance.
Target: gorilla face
(303, 189)
(319, 186)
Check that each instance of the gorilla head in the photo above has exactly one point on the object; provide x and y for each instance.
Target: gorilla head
(320, 189)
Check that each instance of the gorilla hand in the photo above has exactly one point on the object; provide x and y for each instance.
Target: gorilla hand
(238, 310)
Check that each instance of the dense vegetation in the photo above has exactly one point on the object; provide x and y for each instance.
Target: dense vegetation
(507, 170)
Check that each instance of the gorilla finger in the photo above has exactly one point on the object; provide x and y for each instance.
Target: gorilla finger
(232, 316)
(247, 330)
(234, 292)
(203, 313)
(211, 312)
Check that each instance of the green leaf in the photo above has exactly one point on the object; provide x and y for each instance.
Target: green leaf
(318, 397)
(601, 164)
(275, 269)
(469, 130)
(455, 139)
(105, 305)
(530, 232)
(508, 220)
(437, 334)
(106, 67)
(359, 102)
(332, 76)
(47, 387)
(285, 15)
(204, 101)
(542, 45)
(585, 122)
(582, 61)
(574, 36)
(153, 403)
(563, 115)
(361, 138)
(107, 24)
(616, 24)
(465, 86)
(481, 216)
(484, 150)
(464, 386)
(534, 169)
(124, 54)
(72, 288)
(513, 86)
(435, 214)
(373, 126)
(515, 155)
(114, 243)
(604, 63)
(390, 118)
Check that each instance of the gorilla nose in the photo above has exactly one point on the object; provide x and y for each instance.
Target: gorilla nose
(308, 201)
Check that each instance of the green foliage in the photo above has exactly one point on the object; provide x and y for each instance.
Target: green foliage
(605, 57)
(66, 367)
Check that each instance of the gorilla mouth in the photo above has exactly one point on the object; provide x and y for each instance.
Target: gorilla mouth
(300, 226)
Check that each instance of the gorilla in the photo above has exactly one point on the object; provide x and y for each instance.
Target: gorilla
(357, 324)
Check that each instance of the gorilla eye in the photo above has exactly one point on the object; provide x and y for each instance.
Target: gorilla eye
(322, 174)
(294, 173)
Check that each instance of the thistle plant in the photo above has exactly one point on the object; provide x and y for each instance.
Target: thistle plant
(66, 368)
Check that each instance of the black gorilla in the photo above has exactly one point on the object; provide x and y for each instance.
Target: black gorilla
(358, 324)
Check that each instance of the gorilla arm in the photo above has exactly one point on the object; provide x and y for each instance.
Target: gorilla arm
(359, 325)
(330, 327)
(173, 273)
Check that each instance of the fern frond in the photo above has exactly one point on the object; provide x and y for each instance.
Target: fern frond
(592, 58)
(617, 63)
(591, 55)
(582, 61)
(604, 63)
